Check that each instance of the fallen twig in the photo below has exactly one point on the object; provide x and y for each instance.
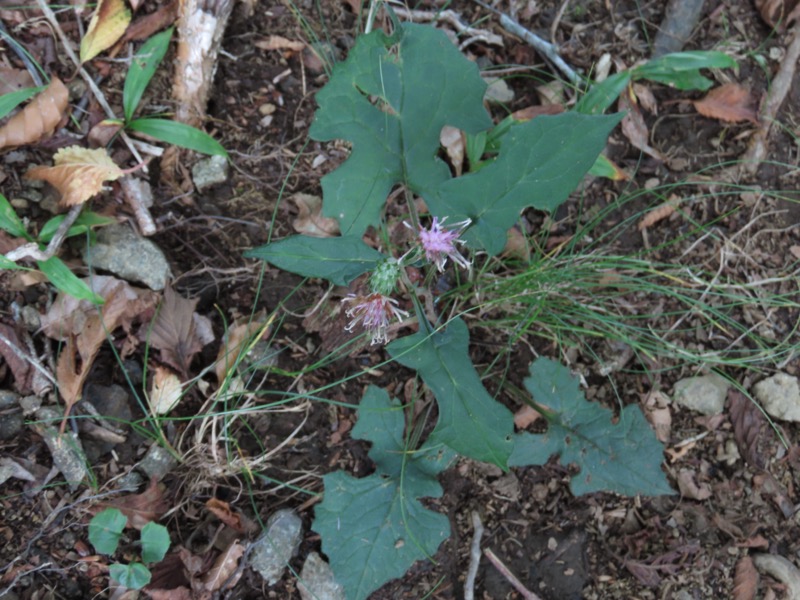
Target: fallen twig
(543, 47)
(516, 583)
(474, 556)
(33, 251)
(454, 19)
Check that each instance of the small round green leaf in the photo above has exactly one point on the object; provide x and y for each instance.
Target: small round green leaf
(133, 576)
(155, 542)
(105, 529)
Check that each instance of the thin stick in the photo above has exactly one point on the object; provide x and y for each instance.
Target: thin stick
(516, 583)
(32, 250)
(30, 359)
(543, 47)
(474, 556)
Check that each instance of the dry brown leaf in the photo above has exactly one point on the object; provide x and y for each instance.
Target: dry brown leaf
(143, 508)
(747, 423)
(166, 391)
(730, 102)
(660, 213)
(20, 368)
(690, 488)
(147, 25)
(225, 566)
(453, 141)
(108, 24)
(531, 112)
(633, 125)
(224, 513)
(646, 98)
(241, 333)
(656, 410)
(38, 119)
(310, 220)
(745, 580)
(778, 13)
(78, 173)
(174, 331)
(13, 80)
(517, 244)
(277, 42)
(526, 416)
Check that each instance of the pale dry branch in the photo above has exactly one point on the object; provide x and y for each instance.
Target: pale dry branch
(474, 557)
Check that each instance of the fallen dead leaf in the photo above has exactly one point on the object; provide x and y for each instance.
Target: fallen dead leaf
(646, 98)
(526, 416)
(147, 25)
(13, 80)
(747, 423)
(11, 349)
(233, 519)
(656, 410)
(277, 42)
(78, 173)
(633, 125)
(225, 566)
(235, 340)
(660, 212)
(166, 391)
(175, 331)
(778, 13)
(730, 102)
(517, 244)
(452, 140)
(310, 220)
(38, 119)
(143, 508)
(108, 24)
(690, 488)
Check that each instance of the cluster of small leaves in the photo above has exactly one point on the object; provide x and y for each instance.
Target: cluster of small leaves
(105, 532)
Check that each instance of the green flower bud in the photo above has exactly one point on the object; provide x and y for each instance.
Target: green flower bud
(384, 278)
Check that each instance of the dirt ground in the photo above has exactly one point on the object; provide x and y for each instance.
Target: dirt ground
(562, 547)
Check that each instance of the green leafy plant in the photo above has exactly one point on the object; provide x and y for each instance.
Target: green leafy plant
(390, 100)
(56, 271)
(105, 533)
(143, 66)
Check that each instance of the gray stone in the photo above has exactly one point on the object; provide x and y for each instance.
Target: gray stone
(30, 404)
(317, 581)
(706, 394)
(209, 172)
(158, 462)
(113, 406)
(128, 256)
(8, 399)
(66, 450)
(10, 425)
(498, 91)
(780, 396)
(31, 318)
(276, 545)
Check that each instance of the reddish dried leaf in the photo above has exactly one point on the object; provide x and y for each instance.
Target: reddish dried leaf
(778, 13)
(174, 331)
(745, 580)
(633, 125)
(730, 102)
(143, 508)
(747, 423)
(225, 566)
(690, 488)
(78, 173)
(310, 220)
(647, 575)
(38, 119)
(223, 512)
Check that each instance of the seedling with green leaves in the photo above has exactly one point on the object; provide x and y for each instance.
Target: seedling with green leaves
(105, 533)
(390, 99)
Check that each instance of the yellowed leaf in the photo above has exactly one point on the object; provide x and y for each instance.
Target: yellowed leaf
(109, 22)
(166, 392)
(310, 220)
(38, 119)
(78, 173)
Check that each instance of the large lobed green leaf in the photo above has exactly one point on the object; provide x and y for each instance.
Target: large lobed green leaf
(470, 421)
(623, 457)
(539, 165)
(374, 528)
(391, 101)
(339, 259)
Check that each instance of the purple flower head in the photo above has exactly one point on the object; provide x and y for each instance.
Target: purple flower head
(374, 312)
(439, 243)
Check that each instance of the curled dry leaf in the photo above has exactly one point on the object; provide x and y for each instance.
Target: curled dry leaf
(452, 140)
(233, 519)
(78, 173)
(730, 102)
(109, 22)
(778, 13)
(525, 416)
(634, 126)
(310, 220)
(745, 579)
(656, 410)
(747, 423)
(224, 567)
(166, 392)
(38, 119)
(690, 488)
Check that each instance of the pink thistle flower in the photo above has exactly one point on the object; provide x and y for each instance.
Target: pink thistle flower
(374, 312)
(440, 244)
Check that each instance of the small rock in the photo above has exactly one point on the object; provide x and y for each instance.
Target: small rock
(274, 548)
(8, 399)
(158, 462)
(267, 108)
(10, 425)
(19, 203)
(129, 256)
(780, 396)
(317, 581)
(31, 318)
(30, 404)
(705, 394)
(209, 172)
(498, 91)
(130, 482)
(113, 403)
